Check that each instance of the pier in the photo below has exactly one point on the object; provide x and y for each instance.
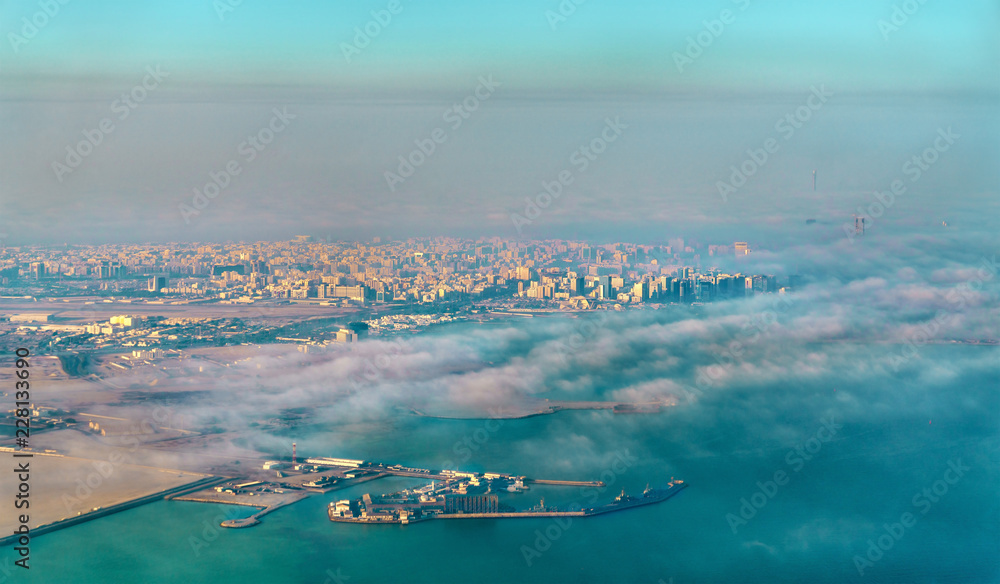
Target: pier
(565, 483)
(263, 507)
(255, 518)
(511, 515)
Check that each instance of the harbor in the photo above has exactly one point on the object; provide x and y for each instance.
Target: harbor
(448, 494)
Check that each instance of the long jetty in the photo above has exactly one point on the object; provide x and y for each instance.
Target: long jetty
(104, 512)
(565, 483)
(512, 514)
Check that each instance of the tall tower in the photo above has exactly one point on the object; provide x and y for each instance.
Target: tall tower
(293, 454)
(814, 180)
(859, 225)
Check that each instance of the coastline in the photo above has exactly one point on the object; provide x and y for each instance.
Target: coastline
(166, 494)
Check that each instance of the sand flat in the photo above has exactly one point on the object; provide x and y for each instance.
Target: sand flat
(60, 487)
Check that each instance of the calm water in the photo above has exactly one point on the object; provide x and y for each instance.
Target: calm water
(896, 438)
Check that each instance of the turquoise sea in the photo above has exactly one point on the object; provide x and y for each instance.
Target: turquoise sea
(892, 442)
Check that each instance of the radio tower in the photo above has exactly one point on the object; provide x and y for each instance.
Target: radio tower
(814, 180)
(293, 454)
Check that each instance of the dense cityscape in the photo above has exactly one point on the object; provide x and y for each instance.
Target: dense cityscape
(388, 286)
(414, 271)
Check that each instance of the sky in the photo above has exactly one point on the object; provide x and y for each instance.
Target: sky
(695, 84)
(435, 46)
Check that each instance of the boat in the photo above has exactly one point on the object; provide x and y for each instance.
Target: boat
(649, 496)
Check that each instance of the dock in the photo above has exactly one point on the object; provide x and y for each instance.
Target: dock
(565, 483)
(255, 518)
(512, 515)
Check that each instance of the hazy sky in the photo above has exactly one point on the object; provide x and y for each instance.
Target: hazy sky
(553, 81)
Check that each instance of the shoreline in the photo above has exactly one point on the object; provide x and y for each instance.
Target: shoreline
(166, 494)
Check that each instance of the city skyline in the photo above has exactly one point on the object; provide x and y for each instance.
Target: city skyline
(415, 271)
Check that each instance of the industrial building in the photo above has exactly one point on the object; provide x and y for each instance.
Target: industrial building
(335, 462)
(471, 503)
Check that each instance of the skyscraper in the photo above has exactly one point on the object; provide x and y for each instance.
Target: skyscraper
(605, 284)
(157, 283)
(37, 270)
(641, 290)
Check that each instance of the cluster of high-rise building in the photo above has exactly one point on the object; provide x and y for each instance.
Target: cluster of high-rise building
(411, 271)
